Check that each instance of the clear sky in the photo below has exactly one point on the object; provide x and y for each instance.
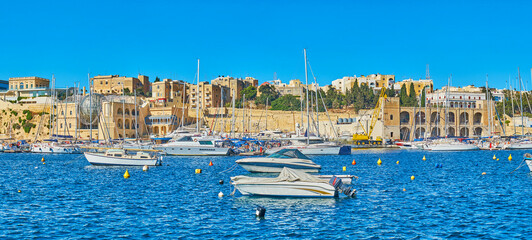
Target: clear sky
(467, 39)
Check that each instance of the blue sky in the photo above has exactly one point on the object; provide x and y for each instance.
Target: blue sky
(467, 39)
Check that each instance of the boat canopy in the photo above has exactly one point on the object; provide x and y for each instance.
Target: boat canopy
(286, 175)
(289, 153)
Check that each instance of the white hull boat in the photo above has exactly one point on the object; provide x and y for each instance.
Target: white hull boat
(118, 157)
(312, 149)
(520, 145)
(54, 148)
(190, 146)
(290, 158)
(291, 183)
(452, 147)
(528, 161)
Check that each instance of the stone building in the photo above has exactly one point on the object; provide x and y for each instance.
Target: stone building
(207, 95)
(169, 90)
(113, 84)
(419, 85)
(235, 85)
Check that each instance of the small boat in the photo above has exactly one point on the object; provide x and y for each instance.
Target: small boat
(315, 146)
(192, 146)
(291, 158)
(526, 144)
(119, 157)
(449, 145)
(291, 183)
(54, 147)
(528, 161)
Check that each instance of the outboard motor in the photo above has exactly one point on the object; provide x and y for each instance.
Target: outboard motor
(337, 183)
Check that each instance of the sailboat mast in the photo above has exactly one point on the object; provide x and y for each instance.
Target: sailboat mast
(183, 105)
(306, 84)
(489, 106)
(267, 113)
(521, 99)
(136, 116)
(243, 113)
(90, 105)
(197, 99)
(233, 118)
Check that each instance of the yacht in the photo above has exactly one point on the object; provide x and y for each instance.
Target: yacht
(291, 183)
(53, 146)
(525, 144)
(315, 146)
(119, 157)
(452, 146)
(196, 146)
(528, 161)
(291, 158)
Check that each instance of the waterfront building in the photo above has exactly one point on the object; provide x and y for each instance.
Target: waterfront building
(26, 87)
(113, 84)
(344, 84)
(166, 117)
(207, 95)
(294, 87)
(235, 85)
(375, 81)
(419, 85)
(169, 90)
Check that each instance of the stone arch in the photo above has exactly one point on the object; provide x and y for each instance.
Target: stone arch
(404, 117)
(133, 112)
(127, 126)
(464, 118)
(420, 132)
(119, 111)
(436, 132)
(119, 123)
(464, 132)
(478, 131)
(133, 124)
(420, 117)
(450, 117)
(435, 117)
(405, 134)
(126, 112)
(451, 132)
(156, 130)
(163, 130)
(477, 118)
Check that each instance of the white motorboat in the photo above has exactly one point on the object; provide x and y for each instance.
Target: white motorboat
(119, 157)
(315, 146)
(196, 146)
(54, 147)
(291, 183)
(528, 161)
(526, 144)
(455, 146)
(291, 158)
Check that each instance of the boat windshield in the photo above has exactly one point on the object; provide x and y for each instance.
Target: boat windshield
(289, 153)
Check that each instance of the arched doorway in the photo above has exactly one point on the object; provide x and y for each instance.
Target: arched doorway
(464, 132)
(451, 132)
(478, 131)
(405, 134)
(477, 118)
(450, 117)
(420, 118)
(464, 118)
(435, 118)
(420, 132)
(156, 130)
(404, 117)
(435, 132)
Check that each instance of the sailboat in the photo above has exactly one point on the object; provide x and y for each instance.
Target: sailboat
(307, 144)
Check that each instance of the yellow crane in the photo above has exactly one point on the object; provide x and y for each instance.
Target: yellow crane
(365, 138)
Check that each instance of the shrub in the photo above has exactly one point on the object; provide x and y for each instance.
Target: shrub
(29, 116)
(28, 127)
(14, 112)
(16, 126)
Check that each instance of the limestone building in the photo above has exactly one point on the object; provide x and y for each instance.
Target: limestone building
(169, 91)
(235, 85)
(419, 85)
(114, 84)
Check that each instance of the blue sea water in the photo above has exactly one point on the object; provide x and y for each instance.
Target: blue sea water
(68, 198)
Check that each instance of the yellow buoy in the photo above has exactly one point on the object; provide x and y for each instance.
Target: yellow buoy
(494, 157)
(424, 158)
(198, 171)
(510, 157)
(126, 174)
(397, 162)
(145, 168)
(19, 191)
(404, 189)
(42, 160)
(497, 159)
(344, 168)
(43, 163)
(379, 161)
(484, 173)
(412, 177)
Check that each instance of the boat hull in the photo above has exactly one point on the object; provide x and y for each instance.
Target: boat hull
(193, 151)
(288, 189)
(312, 150)
(54, 149)
(453, 147)
(516, 146)
(529, 164)
(101, 159)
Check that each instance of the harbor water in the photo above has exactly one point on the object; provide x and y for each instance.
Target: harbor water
(68, 198)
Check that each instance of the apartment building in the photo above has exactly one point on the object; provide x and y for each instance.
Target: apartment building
(114, 84)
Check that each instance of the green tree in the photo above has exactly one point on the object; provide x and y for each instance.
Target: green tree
(157, 79)
(423, 97)
(267, 92)
(286, 103)
(403, 96)
(251, 93)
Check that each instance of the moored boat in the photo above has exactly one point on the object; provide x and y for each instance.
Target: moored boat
(528, 161)
(119, 157)
(291, 158)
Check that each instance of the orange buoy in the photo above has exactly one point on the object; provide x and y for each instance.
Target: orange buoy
(354, 162)
(210, 163)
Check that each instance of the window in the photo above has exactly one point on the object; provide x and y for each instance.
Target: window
(21, 86)
(70, 125)
(391, 118)
(391, 134)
